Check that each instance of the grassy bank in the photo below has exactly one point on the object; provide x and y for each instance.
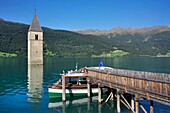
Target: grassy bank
(3, 54)
(113, 54)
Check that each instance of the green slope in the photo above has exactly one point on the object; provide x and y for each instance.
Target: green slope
(66, 43)
(13, 39)
(143, 45)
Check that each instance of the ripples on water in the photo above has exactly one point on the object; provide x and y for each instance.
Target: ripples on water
(13, 88)
(23, 88)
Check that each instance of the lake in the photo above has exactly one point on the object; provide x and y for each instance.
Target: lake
(23, 88)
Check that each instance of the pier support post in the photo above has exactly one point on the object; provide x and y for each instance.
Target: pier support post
(99, 108)
(63, 88)
(151, 106)
(137, 106)
(88, 104)
(99, 93)
(88, 88)
(63, 107)
(118, 100)
(132, 102)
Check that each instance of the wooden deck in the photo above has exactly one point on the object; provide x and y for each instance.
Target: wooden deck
(145, 85)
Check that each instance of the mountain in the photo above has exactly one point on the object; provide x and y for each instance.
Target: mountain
(136, 41)
(127, 31)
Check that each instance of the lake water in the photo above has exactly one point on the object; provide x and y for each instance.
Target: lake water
(23, 88)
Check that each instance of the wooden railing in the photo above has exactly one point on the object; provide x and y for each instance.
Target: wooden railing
(148, 85)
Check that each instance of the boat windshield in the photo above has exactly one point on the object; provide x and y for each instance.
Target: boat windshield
(76, 79)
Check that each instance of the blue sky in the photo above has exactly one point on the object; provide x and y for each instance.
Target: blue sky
(88, 14)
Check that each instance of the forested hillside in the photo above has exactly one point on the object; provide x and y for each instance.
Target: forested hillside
(13, 39)
(157, 44)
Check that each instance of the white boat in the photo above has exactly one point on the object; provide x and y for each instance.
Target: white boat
(76, 85)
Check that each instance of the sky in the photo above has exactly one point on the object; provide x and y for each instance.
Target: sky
(88, 14)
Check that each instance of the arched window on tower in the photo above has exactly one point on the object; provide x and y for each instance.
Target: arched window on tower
(36, 37)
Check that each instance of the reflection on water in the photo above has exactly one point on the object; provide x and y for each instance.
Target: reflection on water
(75, 103)
(84, 105)
(35, 80)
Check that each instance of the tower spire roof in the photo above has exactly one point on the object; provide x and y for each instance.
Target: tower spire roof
(35, 26)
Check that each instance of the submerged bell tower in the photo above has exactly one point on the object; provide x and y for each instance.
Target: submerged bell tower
(35, 42)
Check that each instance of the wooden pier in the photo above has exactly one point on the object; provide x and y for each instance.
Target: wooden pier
(138, 84)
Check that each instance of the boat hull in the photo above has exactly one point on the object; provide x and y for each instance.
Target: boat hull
(53, 93)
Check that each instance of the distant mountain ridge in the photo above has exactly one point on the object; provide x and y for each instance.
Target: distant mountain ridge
(125, 31)
(137, 41)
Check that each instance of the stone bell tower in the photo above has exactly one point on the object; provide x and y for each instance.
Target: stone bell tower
(35, 42)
